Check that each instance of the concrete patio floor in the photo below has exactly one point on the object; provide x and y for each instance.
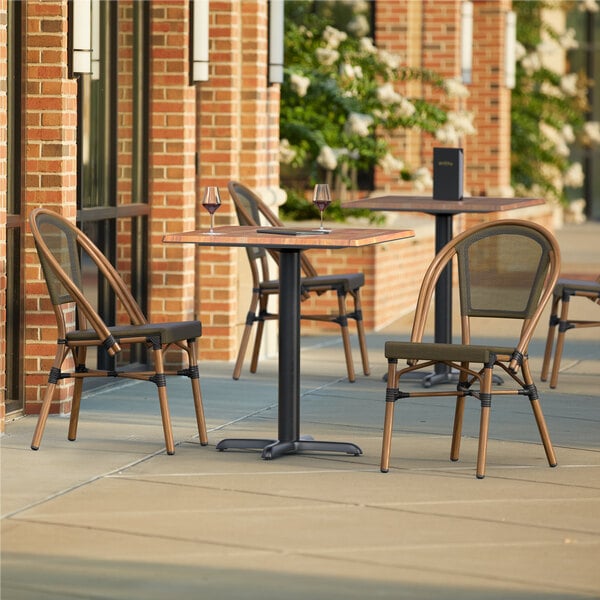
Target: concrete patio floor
(112, 516)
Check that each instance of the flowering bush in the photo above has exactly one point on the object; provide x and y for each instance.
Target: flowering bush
(340, 103)
(549, 106)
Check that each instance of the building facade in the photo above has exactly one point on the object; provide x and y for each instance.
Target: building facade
(126, 150)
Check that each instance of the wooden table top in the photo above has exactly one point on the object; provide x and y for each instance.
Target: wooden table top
(472, 204)
(304, 238)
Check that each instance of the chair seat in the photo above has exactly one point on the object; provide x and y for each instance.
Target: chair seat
(444, 352)
(346, 282)
(169, 331)
(576, 285)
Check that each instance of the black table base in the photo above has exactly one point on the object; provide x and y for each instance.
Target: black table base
(275, 448)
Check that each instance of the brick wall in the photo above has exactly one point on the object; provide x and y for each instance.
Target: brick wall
(427, 35)
(393, 274)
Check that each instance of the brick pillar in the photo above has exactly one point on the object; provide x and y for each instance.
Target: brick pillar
(172, 143)
(487, 153)
(238, 138)
(50, 180)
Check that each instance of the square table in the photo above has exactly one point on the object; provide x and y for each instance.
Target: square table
(289, 243)
(444, 211)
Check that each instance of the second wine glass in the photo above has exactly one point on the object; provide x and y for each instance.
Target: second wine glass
(211, 202)
(322, 199)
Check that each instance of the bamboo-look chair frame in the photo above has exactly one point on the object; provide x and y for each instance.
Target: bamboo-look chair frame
(85, 327)
(251, 211)
(511, 360)
(564, 290)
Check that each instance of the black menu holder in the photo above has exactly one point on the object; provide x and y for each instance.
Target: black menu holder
(447, 173)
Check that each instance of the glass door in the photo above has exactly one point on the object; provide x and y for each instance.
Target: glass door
(112, 146)
(14, 291)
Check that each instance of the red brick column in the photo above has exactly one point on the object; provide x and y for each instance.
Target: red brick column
(172, 163)
(50, 177)
(238, 138)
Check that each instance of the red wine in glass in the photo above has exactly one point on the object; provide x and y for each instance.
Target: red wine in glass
(211, 202)
(321, 199)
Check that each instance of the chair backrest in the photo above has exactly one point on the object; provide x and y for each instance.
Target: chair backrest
(251, 210)
(506, 269)
(61, 247)
(246, 204)
(502, 270)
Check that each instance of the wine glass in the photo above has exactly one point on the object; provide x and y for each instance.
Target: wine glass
(211, 201)
(321, 199)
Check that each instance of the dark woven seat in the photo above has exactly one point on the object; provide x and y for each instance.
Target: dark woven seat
(506, 272)
(252, 211)
(564, 290)
(61, 249)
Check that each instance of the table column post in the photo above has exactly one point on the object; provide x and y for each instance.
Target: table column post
(443, 290)
(289, 345)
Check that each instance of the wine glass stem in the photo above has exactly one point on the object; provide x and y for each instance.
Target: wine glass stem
(212, 222)
(321, 219)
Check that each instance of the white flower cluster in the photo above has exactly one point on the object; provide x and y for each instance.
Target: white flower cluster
(352, 71)
(591, 131)
(555, 139)
(588, 5)
(286, 152)
(334, 37)
(327, 56)
(358, 124)
(327, 158)
(390, 164)
(574, 176)
(459, 123)
(359, 26)
(422, 179)
(455, 88)
(299, 84)
(366, 45)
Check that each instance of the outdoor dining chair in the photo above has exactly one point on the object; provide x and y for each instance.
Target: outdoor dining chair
(506, 273)
(62, 249)
(564, 290)
(252, 211)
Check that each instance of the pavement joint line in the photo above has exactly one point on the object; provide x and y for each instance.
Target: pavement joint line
(242, 474)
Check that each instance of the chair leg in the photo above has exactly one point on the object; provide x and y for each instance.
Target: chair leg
(42, 417)
(197, 392)
(259, 333)
(343, 320)
(539, 416)
(250, 319)
(53, 378)
(75, 406)
(563, 325)
(360, 328)
(459, 412)
(256, 350)
(161, 385)
(550, 338)
(79, 357)
(388, 423)
(485, 397)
